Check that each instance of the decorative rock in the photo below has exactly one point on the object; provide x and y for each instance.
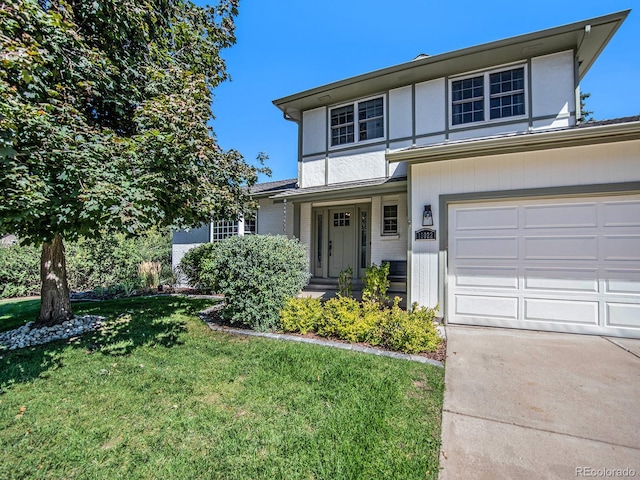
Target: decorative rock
(27, 336)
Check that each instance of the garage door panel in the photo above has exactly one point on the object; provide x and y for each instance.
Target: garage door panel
(561, 311)
(621, 248)
(623, 315)
(561, 215)
(486, 248)
(487, 306)
(561, 279)
(554, 247)
(621, 214)
(485, 276)
(486, 218)
(622, 281)
(572, 265)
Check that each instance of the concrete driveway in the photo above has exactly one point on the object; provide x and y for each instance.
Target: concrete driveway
(523, 404)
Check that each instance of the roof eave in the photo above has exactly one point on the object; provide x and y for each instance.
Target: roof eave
(346, 193)
(519, 143)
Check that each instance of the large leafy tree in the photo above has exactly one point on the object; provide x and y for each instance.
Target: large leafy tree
(104, 107)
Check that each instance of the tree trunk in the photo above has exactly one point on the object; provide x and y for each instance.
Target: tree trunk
(55, 306)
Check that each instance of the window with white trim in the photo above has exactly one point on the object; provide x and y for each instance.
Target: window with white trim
(389, 219)
(366, 117)
(224, 229)
(506, 98)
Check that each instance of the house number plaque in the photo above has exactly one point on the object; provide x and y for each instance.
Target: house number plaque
(425, 234)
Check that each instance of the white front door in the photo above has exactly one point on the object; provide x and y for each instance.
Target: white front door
(342, 240)
(561, 264)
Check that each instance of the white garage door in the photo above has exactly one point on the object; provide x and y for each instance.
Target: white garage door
(568, 265)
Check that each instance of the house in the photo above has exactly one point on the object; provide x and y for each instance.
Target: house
(272, 218)
(472, 169)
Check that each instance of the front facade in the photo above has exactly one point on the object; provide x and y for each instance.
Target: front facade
(472, 170)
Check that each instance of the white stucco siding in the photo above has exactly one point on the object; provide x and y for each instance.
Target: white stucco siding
(430, 106)
(388, 247)
(597, 164)
(398, 169)
(553, 85)
(548, 123)
(274, 218)
(400, 113)
(430, 139)
(314, 131)
(488, 131)
(312, 171)
(359, 165)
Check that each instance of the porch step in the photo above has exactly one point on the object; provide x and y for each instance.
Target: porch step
(331, 284)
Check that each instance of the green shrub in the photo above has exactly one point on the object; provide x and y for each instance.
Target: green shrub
(103, 261)
(149, 274)
(191, 263)
(301, 315)
(353, 321)
(376, 283)
(113, 258)
(341, 315)
(410, 332)
(345, 285)
(19, 271)
(256, 274)
(373, 317)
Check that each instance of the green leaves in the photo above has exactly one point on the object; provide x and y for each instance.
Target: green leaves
(103, 117)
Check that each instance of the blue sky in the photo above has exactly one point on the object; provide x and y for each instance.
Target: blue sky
(287, 46)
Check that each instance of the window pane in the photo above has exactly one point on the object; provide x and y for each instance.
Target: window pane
(370, 115)
(342, 125)
(371, 129)
(507, 93)
(467, 100)
(370, 109)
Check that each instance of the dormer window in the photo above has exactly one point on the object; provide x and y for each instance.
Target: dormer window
(368, 115)
(506, 98)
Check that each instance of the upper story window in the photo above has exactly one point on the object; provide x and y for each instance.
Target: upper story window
(367, 115)
(506, 93)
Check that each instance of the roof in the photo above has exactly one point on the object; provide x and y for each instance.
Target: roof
(588, 133)
(274, 187)
(350, 189)
(587, 37)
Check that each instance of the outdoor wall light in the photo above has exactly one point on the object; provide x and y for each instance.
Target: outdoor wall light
(427, 216)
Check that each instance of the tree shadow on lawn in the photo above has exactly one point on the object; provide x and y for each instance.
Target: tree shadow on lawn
(130, 323)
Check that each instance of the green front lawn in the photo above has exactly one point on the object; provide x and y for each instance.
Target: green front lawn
(159, 395)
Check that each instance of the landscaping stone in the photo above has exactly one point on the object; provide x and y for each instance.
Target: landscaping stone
(27, 336)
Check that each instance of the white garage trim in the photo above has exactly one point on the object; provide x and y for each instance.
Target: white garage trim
(568, 264)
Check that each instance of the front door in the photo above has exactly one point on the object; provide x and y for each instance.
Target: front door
(342, 240)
